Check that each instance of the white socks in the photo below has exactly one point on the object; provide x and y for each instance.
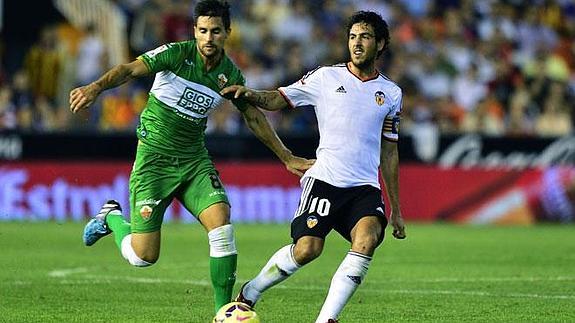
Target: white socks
(280, 266)
(222, 241)
(130, 255)
(345, 281)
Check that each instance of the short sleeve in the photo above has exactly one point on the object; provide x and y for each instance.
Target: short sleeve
(161, 58)
(305, 92)
(391, 122)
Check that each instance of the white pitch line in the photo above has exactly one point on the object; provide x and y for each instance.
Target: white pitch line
(100, 279)
(67, 272)
(81, 270)
(477, 280)
(477, 293)
(110, 279)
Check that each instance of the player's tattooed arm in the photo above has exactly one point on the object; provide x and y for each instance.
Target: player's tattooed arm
(267, 100)
(82, 97)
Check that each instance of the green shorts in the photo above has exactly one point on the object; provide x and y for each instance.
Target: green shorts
(157, 179)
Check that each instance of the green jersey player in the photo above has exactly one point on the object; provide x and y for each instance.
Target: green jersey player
(172, 160)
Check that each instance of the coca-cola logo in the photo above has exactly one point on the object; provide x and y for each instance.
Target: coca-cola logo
(467, 152)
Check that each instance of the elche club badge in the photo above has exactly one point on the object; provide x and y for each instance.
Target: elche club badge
(222, 80)
(146, 211)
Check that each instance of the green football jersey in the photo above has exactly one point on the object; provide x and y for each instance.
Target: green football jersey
(182, 97)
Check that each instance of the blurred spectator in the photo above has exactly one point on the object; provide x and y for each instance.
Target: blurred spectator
(486, 119)
(23, 100)
(42, 63)
(91, 62)
(177, 20)
(555, 119)
(468, 90)
(492, 67)
(8, 113)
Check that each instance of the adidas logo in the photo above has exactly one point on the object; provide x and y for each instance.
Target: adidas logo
(341, 89)
(355, 279)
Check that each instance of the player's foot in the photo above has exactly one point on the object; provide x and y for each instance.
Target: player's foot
(242, 299)
(97, 227)
(332, 321)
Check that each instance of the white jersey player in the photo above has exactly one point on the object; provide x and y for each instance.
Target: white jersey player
(350, 113)
(358, 111)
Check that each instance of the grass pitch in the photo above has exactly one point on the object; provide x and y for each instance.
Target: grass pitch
(441, 273)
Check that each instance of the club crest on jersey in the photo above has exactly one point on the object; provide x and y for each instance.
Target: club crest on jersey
(311, 221)
(222, 80)
(379, 98)
(146, 211)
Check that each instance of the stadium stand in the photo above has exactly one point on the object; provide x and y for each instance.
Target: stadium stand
(499, 68)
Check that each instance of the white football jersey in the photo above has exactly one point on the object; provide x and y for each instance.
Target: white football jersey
(351, 114)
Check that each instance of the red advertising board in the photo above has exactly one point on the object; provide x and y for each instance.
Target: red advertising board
(267, 192)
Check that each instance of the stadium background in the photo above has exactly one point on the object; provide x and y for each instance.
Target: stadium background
(488, 108)
(487, 138)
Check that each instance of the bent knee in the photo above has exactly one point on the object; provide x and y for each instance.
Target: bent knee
(139, 262)
(144, 260)
(149, 259)
(142, 257)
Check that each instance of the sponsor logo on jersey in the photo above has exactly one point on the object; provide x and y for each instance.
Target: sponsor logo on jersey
(380, 209)
(146, 211)
(148, 202)
(379, 98)
(341, 89)
(311, 221)
(158, 50)
(222, 80)
(214, 193)
(196, 101)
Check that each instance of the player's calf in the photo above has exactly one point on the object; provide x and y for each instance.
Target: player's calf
(307, 249)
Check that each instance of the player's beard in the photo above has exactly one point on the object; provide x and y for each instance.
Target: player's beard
(210, 54)
(365, 61)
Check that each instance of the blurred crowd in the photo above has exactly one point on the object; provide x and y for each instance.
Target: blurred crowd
(499, 68)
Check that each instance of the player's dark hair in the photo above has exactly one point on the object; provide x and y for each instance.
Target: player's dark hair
(213, 8)
(373, 19)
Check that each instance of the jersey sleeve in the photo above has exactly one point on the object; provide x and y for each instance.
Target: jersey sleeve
(305, 92)
(161, 58)
(391, 122)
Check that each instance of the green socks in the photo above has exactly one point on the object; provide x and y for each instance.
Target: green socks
(119, 226)
(223, 273)
(222, 269)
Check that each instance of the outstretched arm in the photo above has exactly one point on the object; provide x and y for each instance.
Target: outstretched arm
(267, 100)
(389, 166)
(259, 125)
(82, 97)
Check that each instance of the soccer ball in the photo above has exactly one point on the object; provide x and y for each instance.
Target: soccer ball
(236, 312)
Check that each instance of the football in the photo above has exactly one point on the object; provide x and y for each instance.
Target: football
(236, 312)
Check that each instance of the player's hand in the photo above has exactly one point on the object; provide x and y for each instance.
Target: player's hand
(236, 92)
(297, 165)
(396, 221)
(82, 97)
